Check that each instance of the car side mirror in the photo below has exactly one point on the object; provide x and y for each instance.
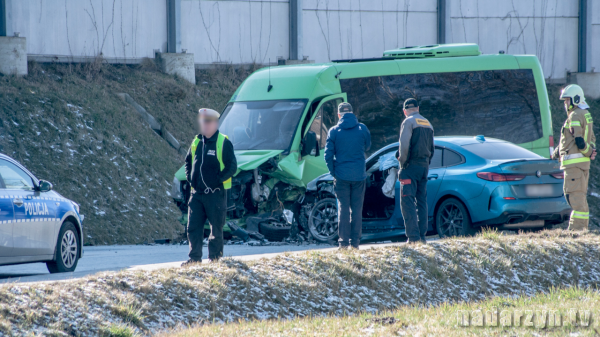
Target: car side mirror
(309, 143)
(44, 186)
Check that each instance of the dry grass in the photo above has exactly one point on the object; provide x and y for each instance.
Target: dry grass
(440, 320)
(311, 284)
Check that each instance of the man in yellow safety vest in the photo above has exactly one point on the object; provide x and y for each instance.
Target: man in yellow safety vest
(577, 147)
(209, 165)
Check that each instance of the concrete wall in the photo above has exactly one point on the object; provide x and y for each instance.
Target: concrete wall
(336, 29)
(115, 28)
(546, 28)
(238, 31)
(246, 31)
(593, 36)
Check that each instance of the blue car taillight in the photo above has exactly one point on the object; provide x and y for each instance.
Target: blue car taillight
(493, 176)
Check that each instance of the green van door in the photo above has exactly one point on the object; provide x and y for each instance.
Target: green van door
(323, 118)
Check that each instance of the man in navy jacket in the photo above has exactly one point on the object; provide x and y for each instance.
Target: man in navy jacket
(345, 150)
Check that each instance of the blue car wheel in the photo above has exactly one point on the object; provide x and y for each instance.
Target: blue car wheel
(323, 220)
(453, 219)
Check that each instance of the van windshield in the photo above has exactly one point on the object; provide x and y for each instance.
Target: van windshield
(261, 125)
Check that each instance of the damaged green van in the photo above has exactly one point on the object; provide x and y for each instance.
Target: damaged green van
(279, 117)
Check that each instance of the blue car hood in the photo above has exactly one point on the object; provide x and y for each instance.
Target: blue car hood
(312, 186)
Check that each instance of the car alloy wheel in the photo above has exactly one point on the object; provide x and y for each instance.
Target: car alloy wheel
(452, 220)
(323, 220)
(68, 249)
(66, 254)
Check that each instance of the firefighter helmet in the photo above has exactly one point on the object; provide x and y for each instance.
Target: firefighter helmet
(574, 92)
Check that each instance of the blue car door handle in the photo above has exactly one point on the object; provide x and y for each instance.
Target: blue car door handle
(432, 177)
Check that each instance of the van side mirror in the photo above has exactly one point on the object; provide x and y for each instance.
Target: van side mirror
(44, 186)
(309, 143)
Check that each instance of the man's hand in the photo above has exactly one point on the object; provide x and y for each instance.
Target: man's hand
(593, 156)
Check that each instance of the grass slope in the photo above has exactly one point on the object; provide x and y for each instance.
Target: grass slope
(309, 284)
(66, 124)
(520, 316)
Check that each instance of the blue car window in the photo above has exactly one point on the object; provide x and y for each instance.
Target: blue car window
(500, 151)
(451, 158)
(14, 178)
(436, 161)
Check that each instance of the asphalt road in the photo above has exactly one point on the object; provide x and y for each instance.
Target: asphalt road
(113, 258)
(140, 257)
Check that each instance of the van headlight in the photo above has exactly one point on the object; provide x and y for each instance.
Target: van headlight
(76, 206)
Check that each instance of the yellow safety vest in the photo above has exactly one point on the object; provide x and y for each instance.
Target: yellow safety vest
(220, 141)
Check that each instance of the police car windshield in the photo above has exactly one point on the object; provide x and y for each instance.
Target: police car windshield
(500, 151)
(261, 125)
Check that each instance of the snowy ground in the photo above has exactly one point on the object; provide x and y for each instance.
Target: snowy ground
(113, 258)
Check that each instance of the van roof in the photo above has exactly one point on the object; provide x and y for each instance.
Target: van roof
(429, 51)
(317, 80)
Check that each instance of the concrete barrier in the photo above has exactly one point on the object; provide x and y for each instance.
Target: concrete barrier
(13, 55)
(181, 65)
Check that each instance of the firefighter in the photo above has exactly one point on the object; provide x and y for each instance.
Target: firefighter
(414, 155)
(209, 165)
(577, 147)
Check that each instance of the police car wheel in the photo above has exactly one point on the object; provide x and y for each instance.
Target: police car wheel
(67, 250)
(453, 219)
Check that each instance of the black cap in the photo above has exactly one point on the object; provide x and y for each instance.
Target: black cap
(411, 103)
(344, 108)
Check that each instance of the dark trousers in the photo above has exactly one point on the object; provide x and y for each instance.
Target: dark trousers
(212, 206)
(413, 180)
(350, 196)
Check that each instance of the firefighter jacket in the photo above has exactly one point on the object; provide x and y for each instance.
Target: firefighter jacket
(577, 140)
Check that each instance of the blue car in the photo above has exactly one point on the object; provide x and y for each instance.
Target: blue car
(36, 223)
(473, 182)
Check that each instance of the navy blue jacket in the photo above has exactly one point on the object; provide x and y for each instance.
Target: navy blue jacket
(345, 150)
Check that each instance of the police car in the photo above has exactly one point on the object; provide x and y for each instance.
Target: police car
(36, 223)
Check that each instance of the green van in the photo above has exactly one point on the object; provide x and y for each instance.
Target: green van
(279, 116)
